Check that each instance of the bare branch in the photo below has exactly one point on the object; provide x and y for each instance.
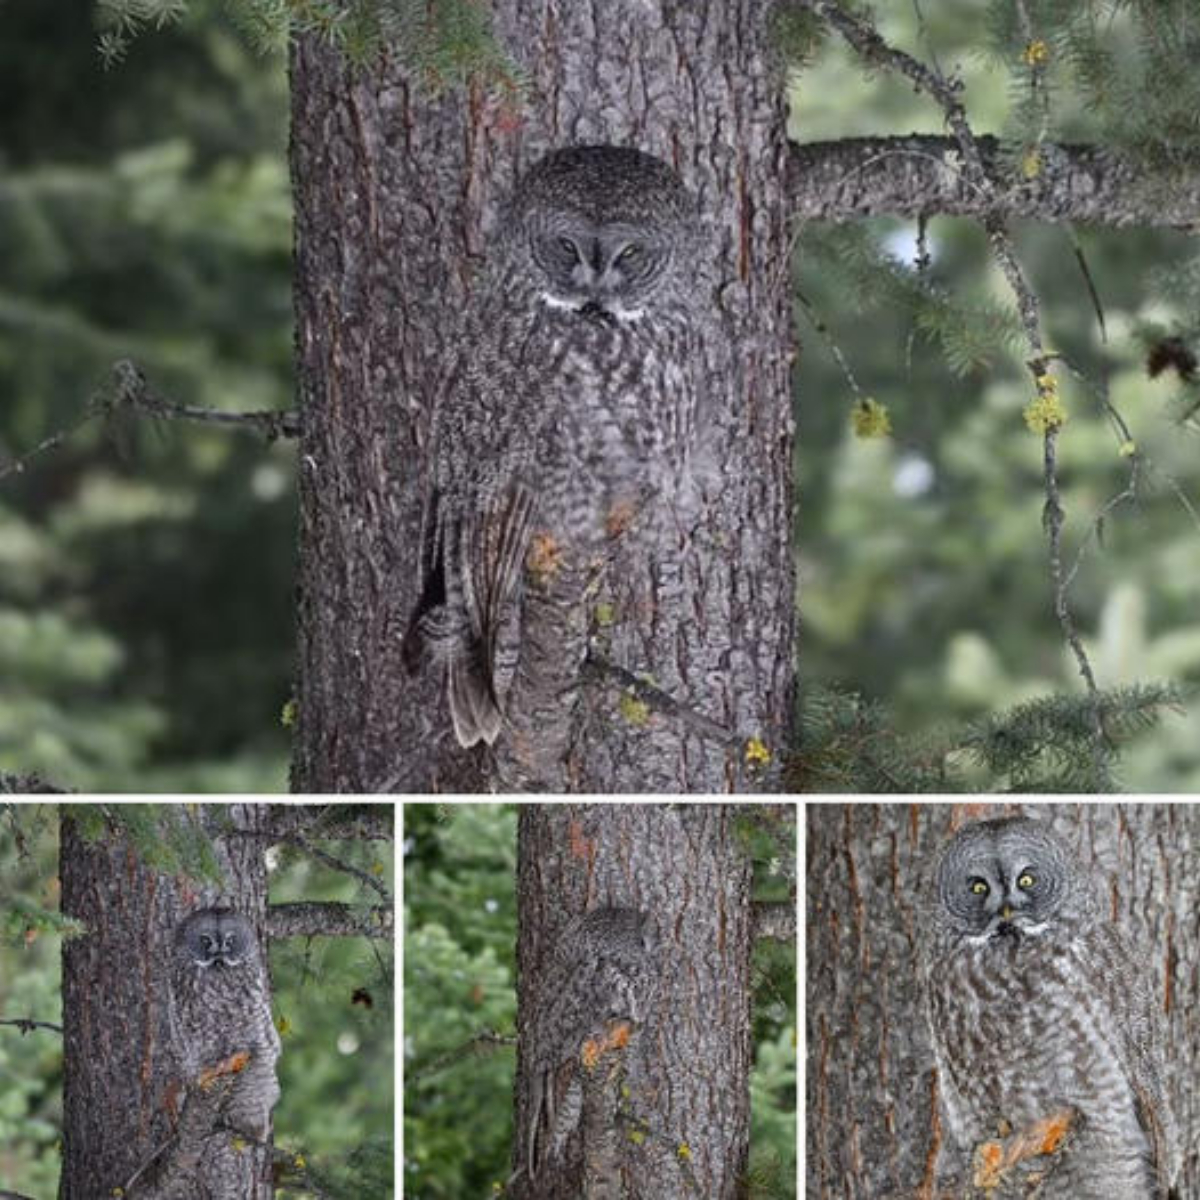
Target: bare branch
(26, 1025)
(328, 918)
(921, 174)
(658, 700)
(27, 785)
(132, 390)
(774, 920)
(336, 822)
(337, 864)
(129, 391)
(483, 1043)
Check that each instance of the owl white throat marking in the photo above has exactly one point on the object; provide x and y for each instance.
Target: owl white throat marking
(550, 300)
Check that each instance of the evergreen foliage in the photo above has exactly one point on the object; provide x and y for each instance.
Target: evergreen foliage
(450, 42)
(847, 744)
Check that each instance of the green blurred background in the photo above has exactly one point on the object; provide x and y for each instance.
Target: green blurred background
(460, 930)
(146, 571)
(337, 1068)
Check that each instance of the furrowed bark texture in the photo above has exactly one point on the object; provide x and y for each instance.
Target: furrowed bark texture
(922, 174)
(395, 193)
(874, 1130)
(686, 1066)
(121, 1072)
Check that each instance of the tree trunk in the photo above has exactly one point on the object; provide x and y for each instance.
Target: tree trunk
(395, 191)
(872, 1128)
(666, 1114)
(122, 1075)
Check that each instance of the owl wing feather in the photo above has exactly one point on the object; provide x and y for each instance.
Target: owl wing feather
(1132, 1036)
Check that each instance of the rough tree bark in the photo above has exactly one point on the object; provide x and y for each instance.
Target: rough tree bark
(122, 1073)
(395, 191)
(685, 1068)
(872, 1128)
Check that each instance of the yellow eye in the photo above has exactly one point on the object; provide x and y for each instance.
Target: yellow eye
(630, 253)
(979, 887)
(1026, 881)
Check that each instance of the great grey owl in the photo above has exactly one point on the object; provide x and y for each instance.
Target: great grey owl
(220, 1007)
(602, 968)
(569, 405)
(1044, 1023)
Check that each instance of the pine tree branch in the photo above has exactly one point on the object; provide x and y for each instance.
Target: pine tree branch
(921, 174)
(863, 37)
(328, 918)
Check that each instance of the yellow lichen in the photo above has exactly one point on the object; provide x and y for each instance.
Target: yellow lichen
(757, 753)
(1036, 53)
(633, 710)
(870, 419)
(1045, 412)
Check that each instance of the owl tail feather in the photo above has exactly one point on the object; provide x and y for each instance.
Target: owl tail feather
(473, 706)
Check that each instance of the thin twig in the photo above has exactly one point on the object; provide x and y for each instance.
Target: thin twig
(26, 1025)
(129, 390)
(660, 702)
(473, 1046)
(338, 864)
(132, 390)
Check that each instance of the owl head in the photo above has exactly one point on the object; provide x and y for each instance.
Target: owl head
(1001, 881)
(605, 229)
(215, 937)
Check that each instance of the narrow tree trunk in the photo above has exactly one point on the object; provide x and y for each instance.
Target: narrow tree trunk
(122, 1076)
(873, 1129)
(395, 190)
(680, 1084)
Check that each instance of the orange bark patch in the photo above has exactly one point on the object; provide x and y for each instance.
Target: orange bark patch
(1051, 1132)
(1044, 1137)
(545, 557)
(616, 1037)
(619, 518)
(989, 1165)
(233, 1065)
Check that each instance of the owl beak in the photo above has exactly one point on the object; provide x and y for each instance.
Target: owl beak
(1006, 913)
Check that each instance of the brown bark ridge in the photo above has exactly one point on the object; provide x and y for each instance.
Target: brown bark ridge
(921, 174)
(680, 1081)
(122, 1082)
(395, 192)
(874, 1129)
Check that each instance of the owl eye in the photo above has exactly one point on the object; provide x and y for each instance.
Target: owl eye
(978, 887)
(1026, 881)
(568, 247)
(630, 254)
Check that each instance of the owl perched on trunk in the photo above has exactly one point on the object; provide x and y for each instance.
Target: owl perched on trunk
(567, 411)
(1045, 1024)
(220, 1006)
(602, 968)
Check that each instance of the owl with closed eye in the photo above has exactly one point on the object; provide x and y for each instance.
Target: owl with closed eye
(1045, 1026)
(219, 1007)
(565, 417)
